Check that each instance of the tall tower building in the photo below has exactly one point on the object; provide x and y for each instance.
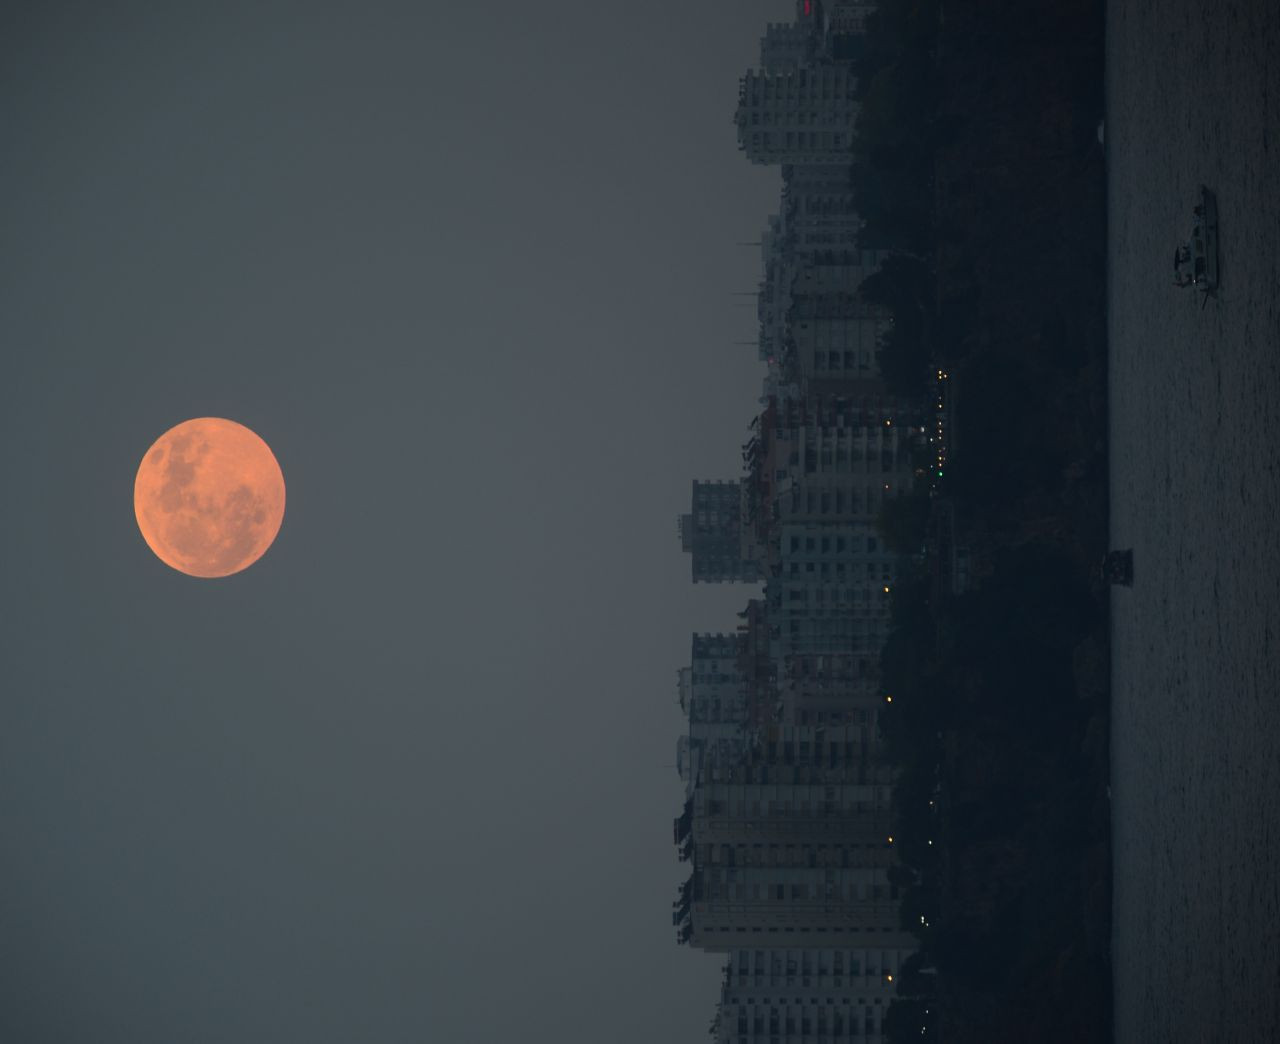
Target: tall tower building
(802, 995)
(713, 696)
(817, 201)
(834, 336)
(712, 534)
(819, 475)
(773, 298)
(794, 45)
(792, 848)
(786, 46)
(798, 116)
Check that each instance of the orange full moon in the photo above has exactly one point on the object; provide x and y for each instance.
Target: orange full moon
(209, 497)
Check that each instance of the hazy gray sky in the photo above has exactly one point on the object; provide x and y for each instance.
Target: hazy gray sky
(467, 268)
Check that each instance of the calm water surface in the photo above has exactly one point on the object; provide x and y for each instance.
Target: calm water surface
(1193, 95)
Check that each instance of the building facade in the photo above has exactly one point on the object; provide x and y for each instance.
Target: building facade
(790, 843)
(807, 995)
(797, 116)
(713, 694)
(712, 535)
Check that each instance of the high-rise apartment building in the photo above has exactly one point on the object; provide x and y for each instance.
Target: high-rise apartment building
(816, 228)
(833, 343)
(819, 472)
(817, 687)
(800, 116)
(790, 846)
(817, 201)
(713, 695)
(785, 906)
(773, 299)
(712, 534)
(787, 46)
(804, 995)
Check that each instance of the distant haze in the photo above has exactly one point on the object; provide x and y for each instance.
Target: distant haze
(469, 273)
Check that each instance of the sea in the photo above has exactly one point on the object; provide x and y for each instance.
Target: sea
(1193, 97)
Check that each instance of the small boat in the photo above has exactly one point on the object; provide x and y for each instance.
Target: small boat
(1117, 567)
(1195, 262)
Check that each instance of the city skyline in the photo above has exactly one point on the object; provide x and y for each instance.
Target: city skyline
(773, 555)
(789, 817)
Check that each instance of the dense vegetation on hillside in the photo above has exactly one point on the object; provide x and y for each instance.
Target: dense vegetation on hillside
(978, 164)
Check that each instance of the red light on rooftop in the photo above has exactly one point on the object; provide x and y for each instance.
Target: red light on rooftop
(807, 5)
